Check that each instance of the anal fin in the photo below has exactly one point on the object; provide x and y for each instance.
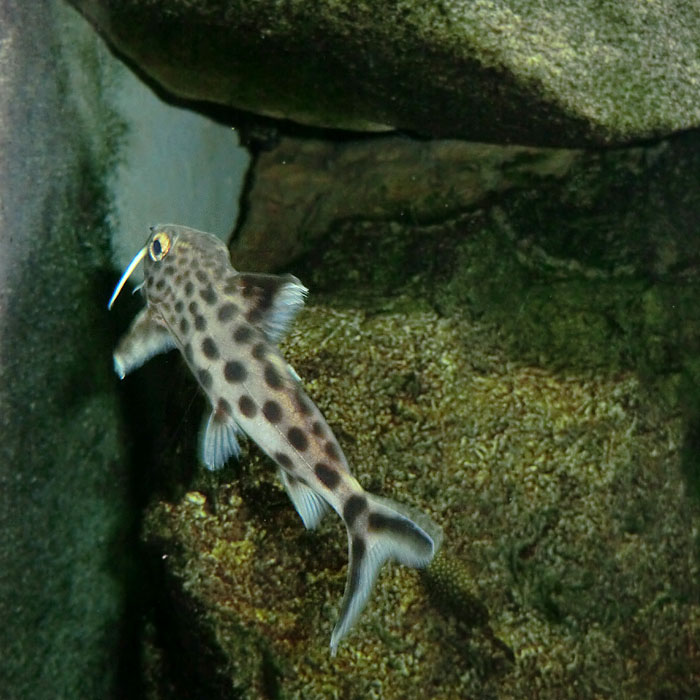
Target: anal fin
(310, 506)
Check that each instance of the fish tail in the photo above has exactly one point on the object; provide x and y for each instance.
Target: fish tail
(382, 530)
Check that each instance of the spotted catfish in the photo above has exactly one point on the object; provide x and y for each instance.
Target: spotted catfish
(227, 325)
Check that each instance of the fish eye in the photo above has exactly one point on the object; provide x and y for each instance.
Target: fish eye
(160, 245)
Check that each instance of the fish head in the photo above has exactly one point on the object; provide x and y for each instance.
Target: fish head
(171, 255)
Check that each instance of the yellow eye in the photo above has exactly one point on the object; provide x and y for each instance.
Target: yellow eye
(160, 245)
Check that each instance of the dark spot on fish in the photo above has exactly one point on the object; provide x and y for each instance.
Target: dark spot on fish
(354, 507)
(168, 269)
(149, 280)
(259, 351)
(209, 348)
(200, 323)
(208, 295)
(178, 280)
(283, 460)
(188, 352)
(184, 325)
(204, 377)
(223, 407)
(201, 276)
(226, 312)
(332, 451)
(377, 522)
(254, 315)
(266, 298)
(303, 403)
(328, 476)
(234, 371)
(403, 527)
(297, 438)
(358, 548)
(160, 284)
(193, 307)
(272, 377)
(189, 289)
(242, 334)
(317, 429)
(261, 286)
(247, 406)
(272, 411)
(179, 306)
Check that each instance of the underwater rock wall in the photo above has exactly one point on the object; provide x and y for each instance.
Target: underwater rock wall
(513, 71)
(65, 515)
(503, 336)
(511, 348)
(81, 175)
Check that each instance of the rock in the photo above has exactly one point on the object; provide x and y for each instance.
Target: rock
(512, 72)
(71, 476)
(567, 537)
(304, 188)
(525, 370)
(65, 514)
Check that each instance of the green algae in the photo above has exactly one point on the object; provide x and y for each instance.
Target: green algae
(558, 492)
(501, 71)
(525, 373)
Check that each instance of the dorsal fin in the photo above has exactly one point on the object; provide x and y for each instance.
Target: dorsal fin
(271, 301)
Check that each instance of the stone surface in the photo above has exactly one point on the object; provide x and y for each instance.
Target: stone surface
(569, 549)
(65, 514)
(526, 371)
(595, 249)
(303, 188)
(77, 186)
(518, 71)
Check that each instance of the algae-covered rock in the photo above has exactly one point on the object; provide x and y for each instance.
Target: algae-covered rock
(515, 71)
(582, 258)
(65, 515)
(569, 553)
(525, 371)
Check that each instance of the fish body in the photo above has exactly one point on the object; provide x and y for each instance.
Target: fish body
(227, 325)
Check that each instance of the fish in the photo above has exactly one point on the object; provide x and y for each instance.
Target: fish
(227, 326)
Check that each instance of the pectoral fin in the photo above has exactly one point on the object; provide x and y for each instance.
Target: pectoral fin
(145, 338)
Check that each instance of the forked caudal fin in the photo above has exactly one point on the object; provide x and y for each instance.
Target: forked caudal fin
(381, 533)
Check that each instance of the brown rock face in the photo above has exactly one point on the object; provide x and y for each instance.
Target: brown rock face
(567, 74)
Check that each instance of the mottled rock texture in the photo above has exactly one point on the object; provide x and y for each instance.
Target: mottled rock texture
(525, 370)
(303, 188)
(509, 71)
(65, 512)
